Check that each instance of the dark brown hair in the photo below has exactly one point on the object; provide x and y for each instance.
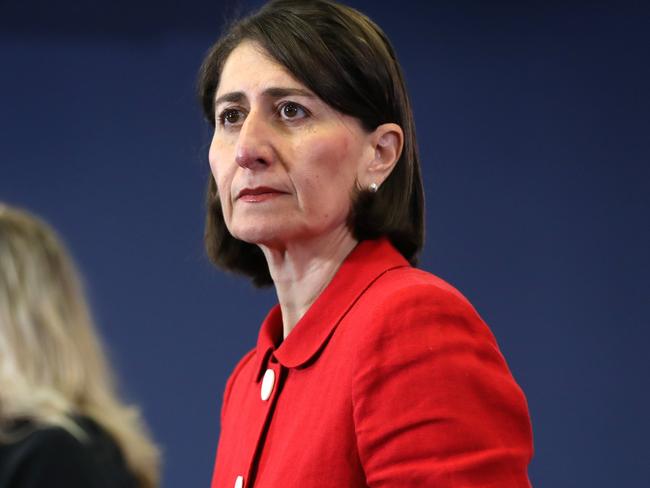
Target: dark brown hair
(347, 61)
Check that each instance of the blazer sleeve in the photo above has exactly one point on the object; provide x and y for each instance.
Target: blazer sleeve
(434, 403)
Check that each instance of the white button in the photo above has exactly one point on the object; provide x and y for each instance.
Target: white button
(239, 482)
(267, 384)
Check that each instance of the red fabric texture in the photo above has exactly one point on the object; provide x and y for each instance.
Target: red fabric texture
(391, 379)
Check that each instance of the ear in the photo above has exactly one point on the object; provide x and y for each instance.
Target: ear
(387, 141)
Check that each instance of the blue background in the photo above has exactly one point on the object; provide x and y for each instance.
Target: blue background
(533, 123)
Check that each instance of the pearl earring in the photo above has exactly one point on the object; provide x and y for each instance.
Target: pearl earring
(374, 187)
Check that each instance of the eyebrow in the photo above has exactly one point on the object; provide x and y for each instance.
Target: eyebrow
(273, 92)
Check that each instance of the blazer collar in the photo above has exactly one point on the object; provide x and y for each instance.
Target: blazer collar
(367, 262)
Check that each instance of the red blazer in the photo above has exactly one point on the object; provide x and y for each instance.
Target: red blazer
(391, 379)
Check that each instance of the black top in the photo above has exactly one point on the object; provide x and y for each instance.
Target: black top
(51, 457)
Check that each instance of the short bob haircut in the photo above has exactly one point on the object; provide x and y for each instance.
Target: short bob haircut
(345, 59)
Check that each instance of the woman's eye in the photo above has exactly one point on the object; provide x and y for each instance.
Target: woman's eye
(291, 111)
(231, 116)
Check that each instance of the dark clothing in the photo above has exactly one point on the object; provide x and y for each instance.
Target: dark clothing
(52, 457)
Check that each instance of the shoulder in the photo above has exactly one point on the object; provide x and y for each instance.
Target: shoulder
(246, 360)
(244, 363)
(52, 456)
(407, 310)
(45, 457)
(406, 281)
(429, 383)
(413, 293)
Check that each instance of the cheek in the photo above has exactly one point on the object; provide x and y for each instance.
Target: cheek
(334, 162)
(214, 156)
(217, 157)
(327, 182)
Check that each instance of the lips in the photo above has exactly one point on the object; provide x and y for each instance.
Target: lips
(258, 194)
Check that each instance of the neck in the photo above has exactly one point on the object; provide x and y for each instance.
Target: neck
(302, 270)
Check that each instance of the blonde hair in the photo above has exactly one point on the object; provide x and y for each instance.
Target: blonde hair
(52, 365)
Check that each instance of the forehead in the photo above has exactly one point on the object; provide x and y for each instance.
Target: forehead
(249, 68)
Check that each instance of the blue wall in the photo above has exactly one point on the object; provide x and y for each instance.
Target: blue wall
(534, 135)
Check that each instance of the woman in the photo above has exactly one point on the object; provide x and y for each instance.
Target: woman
(61, 422)
(369, 372)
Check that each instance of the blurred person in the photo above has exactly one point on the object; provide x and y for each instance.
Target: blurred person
(368, 372)
(62, 423)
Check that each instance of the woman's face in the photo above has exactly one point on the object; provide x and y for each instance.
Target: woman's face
(285, 163)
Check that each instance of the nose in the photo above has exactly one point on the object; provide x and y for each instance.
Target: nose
(254, 149)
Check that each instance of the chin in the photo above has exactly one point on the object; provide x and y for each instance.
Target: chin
(275, 236)
(261, 234)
